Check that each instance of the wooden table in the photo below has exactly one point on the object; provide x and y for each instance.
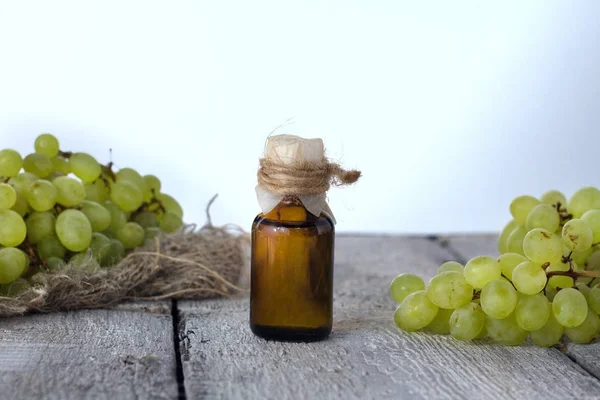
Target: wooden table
(205, 350)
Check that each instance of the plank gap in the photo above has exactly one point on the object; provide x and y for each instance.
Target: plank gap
(445, 244)
(175, 317)
(565, 350)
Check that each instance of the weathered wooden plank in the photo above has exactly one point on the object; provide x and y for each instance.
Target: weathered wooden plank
(366, 355)
(100, 354)
(150, 306)
(586, 355)
(469, 246)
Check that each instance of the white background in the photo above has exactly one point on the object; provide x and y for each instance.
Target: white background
(451, 109)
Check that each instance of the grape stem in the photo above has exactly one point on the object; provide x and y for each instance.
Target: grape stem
(574, 274)
(107, 170)
(34, 257)
(146, 206)
(545, 265)
(563, 213)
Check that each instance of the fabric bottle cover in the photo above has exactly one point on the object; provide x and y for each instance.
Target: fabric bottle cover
(291, 149)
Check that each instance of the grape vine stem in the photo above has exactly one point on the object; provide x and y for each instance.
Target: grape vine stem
(575, 274)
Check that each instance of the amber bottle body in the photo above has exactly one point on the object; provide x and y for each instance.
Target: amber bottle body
(292, 273)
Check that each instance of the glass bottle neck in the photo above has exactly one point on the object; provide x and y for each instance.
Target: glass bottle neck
(290, 208)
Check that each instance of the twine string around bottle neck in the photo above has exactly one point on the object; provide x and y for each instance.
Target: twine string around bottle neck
(303, 178)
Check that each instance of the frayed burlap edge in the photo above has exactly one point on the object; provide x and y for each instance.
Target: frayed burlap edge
(191, 264)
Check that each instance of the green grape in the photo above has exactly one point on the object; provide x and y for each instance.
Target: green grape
(99, 216)
(12, 229)
(593, 262)
(449, 290)
(585, 291)
(118, 219)
(146, 220)
(21, 207)
(481, 270)
(131, 235)
(69, 192)
(50, 247)
(543, 216)
(580, 257)
(61, 164)
(514, 243)
(97, 191)
(84, 261)
(594, 299)
(152, 186)
(46, 144)
(39, 225)
(74, 230)
(10, 163)
(529, 278)
(132, 176)
(508, 262)
(170, 204)
(569, 307)
(440, 323)
(483, 334)
(54, 263)
(583, 200)
(14, 288)
(553, 197)
(415, 312)
(592, 219)
(405, 284)
(467, 322)
(53, 175)
(170, 222)
(114, 254)
(100, 247)
(85, 167)
(532, 312)
(503, 237)
(521, 207)
(13, 262)
(450, 266)
(498, 299)
(41, 195)
(550, 293)
(550, 334)
(8, 196)
(151, 233)
(542, 246)
(577, 235)
(38, 164)
(109, 233)
(587, 331)
(506, 331)
(126, 195)
(23, 181)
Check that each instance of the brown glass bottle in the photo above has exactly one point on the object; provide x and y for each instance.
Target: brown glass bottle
(292, 273)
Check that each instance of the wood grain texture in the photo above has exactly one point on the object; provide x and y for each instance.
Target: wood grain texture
(469, 246)
(366, 357)
(149, 306)
(586, 355)
(91, 354)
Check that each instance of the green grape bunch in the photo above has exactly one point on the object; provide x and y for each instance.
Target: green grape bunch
(545, 285)
(60, 208)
